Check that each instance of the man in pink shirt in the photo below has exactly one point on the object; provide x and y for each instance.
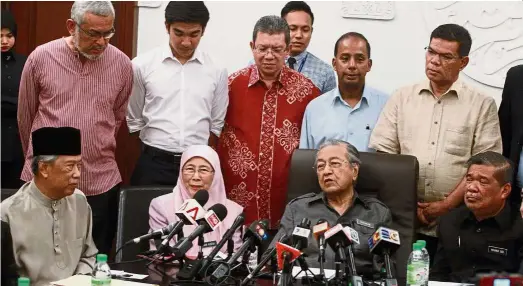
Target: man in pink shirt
(83, 82)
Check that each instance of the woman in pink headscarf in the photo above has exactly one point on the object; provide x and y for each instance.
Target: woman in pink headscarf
(200, 170)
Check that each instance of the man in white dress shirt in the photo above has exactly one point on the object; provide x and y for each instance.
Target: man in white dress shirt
(49, 218)
(179, 97)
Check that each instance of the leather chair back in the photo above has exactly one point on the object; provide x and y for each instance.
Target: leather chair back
(390, 178)
(133, 218)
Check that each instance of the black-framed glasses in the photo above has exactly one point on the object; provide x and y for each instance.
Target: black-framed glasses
(443, 57)
(97, 35)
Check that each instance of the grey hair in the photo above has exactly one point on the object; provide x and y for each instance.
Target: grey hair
(98, 8)
(353, 156)
(272, 25)
(41, 158)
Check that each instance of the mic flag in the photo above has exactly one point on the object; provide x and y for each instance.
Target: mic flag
(191, 210)
(352, 234)
(384, 238)
(320, 229)
(282, 248)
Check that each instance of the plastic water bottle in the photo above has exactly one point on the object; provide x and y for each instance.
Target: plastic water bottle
(426, 257)
(23, 281)
(101, 273)
(416, 271)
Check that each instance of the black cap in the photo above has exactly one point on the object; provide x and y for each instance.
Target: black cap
(57, 141)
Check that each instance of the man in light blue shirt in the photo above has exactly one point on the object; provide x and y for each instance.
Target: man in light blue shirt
(299, 17)
(350, 111)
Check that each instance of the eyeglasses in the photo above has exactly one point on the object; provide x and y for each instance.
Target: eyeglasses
(97, 35)
(276, 51)
(190, 171)
(443, 57)
(333, 164)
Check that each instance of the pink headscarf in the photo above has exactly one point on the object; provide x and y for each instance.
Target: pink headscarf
(216, 195)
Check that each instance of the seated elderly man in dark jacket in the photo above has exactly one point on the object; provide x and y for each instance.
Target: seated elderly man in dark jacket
(337, 167)
(486, 234)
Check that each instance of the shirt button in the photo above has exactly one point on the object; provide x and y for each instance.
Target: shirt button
(351, 133)
(432, 143)
(8, 77)
(428, 184)
(56, 232)
(430, 163)
(439, 101)
(56, 245)
(435, 122)
(55, 219)
(478, 230)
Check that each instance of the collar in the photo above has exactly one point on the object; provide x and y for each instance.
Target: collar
(299, 57)
(255, 75)
(503, 219)
(167, 53)
(9, 56)
(455, 88)
(40, 197)
(365, 97)
(320, 197)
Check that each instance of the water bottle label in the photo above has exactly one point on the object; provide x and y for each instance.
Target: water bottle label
(417, 274)
(100, 281)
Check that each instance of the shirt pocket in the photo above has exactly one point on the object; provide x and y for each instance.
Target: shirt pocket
(75, 249)
(458, 140)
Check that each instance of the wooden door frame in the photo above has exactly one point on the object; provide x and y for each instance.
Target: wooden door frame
(126, 25)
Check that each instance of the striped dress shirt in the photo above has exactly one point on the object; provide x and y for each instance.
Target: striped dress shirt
(56, 90)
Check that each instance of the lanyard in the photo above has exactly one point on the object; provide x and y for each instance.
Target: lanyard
(303, 63)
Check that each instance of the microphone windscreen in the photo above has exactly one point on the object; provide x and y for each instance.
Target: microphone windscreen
(220, 211)
(201, 196)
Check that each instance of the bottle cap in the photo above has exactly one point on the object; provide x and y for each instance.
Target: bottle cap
(416, 246)
(101, 258)
(23, 281)
(422, 242)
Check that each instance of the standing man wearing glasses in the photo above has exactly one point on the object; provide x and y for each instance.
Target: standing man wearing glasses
(84, 82)
(262, 126)
(179, 96)
(443, 122)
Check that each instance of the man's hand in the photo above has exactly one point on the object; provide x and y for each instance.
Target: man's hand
(432, 211)
(421, 217)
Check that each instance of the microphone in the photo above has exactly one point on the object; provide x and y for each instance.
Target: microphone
(318, 231)
(255, 235)
(262, 263)
(385, 242)
(286, 255)
(210, 222)
(340, 238)
(201, 197)
(238, 222)
(189, 212)
(300, 236)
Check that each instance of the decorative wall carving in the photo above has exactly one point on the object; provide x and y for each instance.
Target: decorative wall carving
(381, 10)
(496, 30)
(149, 4)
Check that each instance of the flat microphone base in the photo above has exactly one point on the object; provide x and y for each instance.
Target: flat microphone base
(390, 282)
(189, 270)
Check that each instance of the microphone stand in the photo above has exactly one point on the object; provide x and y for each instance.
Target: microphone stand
(285, 278)
(259, 267)
(321, 259)
(340, 258)
(274, 267)
(178, 238)
(350, 269)
(389, 280)
(230, 248)
(201, 242)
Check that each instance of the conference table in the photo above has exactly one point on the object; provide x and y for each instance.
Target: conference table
(165, 275)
